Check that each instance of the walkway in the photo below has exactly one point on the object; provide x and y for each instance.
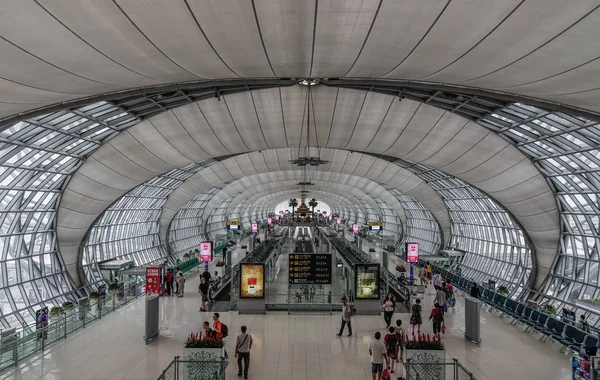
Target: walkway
(294, 347)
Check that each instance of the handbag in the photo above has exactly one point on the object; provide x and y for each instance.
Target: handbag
(385, 375)
(443, 328)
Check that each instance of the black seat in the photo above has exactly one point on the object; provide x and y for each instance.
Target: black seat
(557, 330)
(532, 321)
(541, 322)
(579, 338)
(549, 329)
(569, 336)
(590, 341)
(526, 314)
(519, 310)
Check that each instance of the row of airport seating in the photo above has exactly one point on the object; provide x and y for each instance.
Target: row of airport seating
(566, 334)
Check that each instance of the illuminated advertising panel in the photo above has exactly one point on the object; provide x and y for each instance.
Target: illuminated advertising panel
(367, 281)
(252, 280)
(269, 221)
(412, 252)
(355, 228)
(339, 221)
(254, 227)
(206, 250)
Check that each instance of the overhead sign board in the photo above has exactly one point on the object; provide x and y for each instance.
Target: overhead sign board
(310, 269)
(233, 222)
(380, 224)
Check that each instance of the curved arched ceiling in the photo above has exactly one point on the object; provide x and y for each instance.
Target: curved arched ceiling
(515, 46)
(345, 119)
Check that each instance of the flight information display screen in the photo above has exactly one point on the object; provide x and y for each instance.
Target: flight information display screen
(310, 269)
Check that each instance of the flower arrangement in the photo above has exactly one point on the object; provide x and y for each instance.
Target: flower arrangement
(195, 341)
(400, 268)
(220, 263)
(423, 342)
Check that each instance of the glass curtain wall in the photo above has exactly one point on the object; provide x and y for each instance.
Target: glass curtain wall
(421, 225)
(129, 229)
(37, 158)
(495, 245)
(565, 150)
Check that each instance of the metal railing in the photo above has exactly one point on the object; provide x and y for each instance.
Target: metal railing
(202, 369)
(417, 370)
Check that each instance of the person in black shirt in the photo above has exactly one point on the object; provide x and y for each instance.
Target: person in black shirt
(203, 290)
(206, 275)
(475, 291)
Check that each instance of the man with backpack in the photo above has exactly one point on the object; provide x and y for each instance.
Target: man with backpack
(346, 314)
(220, 328)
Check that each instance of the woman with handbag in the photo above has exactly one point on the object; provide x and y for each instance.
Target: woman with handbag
(437, 317)
(389, 306)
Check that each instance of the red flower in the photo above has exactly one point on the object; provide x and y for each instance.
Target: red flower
(428, 338)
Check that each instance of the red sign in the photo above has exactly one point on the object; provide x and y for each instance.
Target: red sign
(355, 228)
(412, 252)
(339, 221)
(152, 280)
(269, 221)
(254, 227)
(206, 248)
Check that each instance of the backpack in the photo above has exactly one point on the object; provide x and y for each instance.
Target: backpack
(224, 330)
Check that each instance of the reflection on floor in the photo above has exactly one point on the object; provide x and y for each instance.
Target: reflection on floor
(296, 347)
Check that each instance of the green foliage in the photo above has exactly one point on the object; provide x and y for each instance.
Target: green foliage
(56, 310)
(67, 305)
(502, 290)
(94, 295)
(113, 287)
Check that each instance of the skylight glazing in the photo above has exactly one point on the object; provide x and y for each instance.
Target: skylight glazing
(37, 158)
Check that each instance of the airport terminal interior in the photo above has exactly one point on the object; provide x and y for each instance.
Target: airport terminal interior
(176, 172)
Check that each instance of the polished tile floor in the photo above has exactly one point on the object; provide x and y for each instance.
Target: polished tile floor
(294, 347)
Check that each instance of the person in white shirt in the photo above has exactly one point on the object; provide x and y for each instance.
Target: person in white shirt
(378, 356)
(243, 344)
(346, 314)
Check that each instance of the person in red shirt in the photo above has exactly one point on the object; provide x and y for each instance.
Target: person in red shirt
(169, 281)
(437, 317)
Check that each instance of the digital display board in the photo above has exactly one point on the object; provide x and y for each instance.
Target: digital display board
(206, 250)
(269, 221)
(367, 281)
(355, 228)
(374, 228)
(339, 221)
(254, 227)
(233, 227)
(252, 280)
(412, 252)
(310, 269)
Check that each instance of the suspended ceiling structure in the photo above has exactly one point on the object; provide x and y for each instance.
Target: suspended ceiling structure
(134, 130)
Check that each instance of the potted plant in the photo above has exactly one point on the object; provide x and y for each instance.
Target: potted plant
(55, 311)
(67, 305)
(503, 290)
(94, 299)
(196, 253)
(371, 249)
(400, 268)
(201, 350)
(220, 263)
(113, 288)
(447, 265)
(423, 348)
(186, 256)
(549, 309)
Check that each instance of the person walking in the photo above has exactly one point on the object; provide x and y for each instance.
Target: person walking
(391, 348)
(312, 293)
(305, 292)
(422, 277)
(203, 289)
(429, 270)
(176, 279)
(346, 315)
(437, 317)
(440, 296)
(416, 319)
(400, 333)
(243, 345)
(181, 284)
(378, 356)
(169, 281)
(389, 306)
(220, 329)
